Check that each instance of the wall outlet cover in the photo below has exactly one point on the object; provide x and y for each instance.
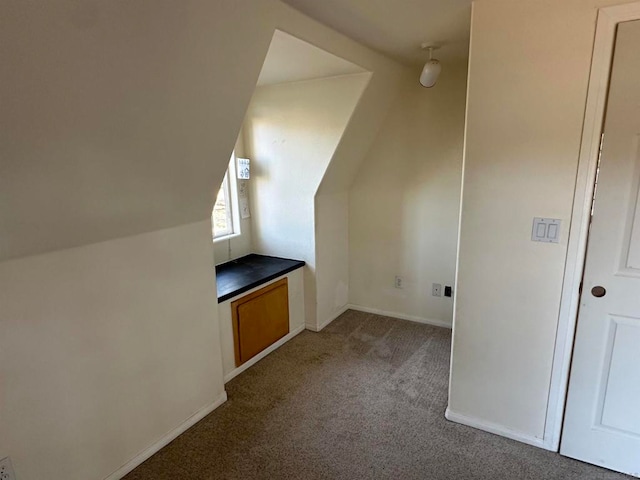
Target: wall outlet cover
(436, 290)
(6, 469)
(398, 282)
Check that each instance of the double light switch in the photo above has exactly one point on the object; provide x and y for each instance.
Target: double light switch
(546, 230)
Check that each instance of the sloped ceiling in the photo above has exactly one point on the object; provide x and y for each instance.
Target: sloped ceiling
(398, 28)
(290, 59)
(107, 117)
(118, 118)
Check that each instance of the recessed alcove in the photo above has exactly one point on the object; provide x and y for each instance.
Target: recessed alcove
(302, 104)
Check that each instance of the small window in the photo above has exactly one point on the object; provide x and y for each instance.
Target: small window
(223, 217)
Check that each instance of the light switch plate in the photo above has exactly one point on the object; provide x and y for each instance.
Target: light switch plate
(546, 230)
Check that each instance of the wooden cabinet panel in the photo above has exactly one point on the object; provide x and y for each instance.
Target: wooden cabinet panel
(260, 319)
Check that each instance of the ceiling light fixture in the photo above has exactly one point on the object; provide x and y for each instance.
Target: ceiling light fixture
(431, 69)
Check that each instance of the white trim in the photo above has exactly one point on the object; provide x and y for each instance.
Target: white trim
(230, 185)
(166, 439)
(318, 328)
(274, 346)
(459, 236)
(231, 236)
(608, 18)
(493, 428)
(401, 316)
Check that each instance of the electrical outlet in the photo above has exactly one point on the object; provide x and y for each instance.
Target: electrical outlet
(436, 290)
(398, 282)
(6, 469)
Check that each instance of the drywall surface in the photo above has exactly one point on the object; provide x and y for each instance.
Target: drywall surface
(104, 349)
(291, 133)
(404, 203)
(119, 119)
(528, 78)
(296, 316)
(331, 202)
(332, 256)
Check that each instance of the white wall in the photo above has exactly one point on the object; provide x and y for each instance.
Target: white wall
(332, 256)
(119, 118)
(104, 349)
(144, 99)
(332, 199)
(404, 203)
(529, 71)
(291, 133)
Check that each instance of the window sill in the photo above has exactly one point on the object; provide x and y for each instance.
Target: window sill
(226, 237)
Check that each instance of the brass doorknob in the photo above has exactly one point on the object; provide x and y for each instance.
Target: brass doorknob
(598, 291)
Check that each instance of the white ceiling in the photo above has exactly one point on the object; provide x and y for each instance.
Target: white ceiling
(398, 27)
(290, 59)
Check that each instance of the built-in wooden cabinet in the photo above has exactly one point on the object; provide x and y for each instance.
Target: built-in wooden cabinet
(260, 319)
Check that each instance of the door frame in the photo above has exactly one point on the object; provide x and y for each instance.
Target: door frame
(607, 22)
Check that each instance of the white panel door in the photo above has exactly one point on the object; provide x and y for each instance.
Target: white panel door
(602, 418)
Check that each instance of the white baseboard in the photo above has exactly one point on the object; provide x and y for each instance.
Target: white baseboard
(401, 316)
(318, 328)
(494, 428)
(237, 371)
(166, 439)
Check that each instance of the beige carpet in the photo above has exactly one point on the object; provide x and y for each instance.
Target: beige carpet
(363, 399)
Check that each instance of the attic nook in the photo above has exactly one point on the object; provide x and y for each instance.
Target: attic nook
(265, 225)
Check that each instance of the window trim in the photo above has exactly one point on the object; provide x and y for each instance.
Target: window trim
(230, 185)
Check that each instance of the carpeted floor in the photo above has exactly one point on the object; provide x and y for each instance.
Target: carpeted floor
(363, 399)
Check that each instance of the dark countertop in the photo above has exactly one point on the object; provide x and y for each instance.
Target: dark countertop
(243, 274)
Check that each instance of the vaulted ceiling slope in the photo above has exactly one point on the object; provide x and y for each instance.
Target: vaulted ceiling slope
(119, 117)
(398, 28)
(290, 59)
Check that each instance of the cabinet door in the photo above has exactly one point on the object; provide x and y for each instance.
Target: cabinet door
(260, 319)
